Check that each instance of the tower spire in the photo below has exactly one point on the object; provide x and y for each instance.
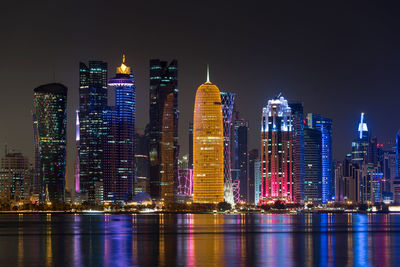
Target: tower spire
(208, 74)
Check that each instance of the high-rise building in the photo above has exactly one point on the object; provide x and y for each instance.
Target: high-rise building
(347, 180)
(142, 164)
(360, 146)
(208, 145)
(257, 181)
(50, 108)
(398, 153)
(298, 151)
(253, 156)
(15, 178)
(324, 125)
(77, 161)
(190, 159)
(313, 165)
(92, 102)
(276, 151)
(163, 129)
(240, 158)
(119, 143)
(227, 101)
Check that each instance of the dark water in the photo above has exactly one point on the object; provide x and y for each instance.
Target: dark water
(200, 240)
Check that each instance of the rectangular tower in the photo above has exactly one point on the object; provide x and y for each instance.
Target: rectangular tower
(92, 103)
(163, 129)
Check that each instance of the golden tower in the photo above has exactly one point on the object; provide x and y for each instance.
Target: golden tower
(208, 145)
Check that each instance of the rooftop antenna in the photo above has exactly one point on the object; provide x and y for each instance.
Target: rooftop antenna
(279, 95)
(208, 74)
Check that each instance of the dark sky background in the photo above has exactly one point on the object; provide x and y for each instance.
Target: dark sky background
(339, 58)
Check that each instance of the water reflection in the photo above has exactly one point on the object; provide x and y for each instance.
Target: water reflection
(200, 240)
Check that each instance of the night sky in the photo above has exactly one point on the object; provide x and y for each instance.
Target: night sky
(338, 58)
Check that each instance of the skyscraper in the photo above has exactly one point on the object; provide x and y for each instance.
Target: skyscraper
(50, 108)
(163, 129)
(253, 156)
(240, 157)
(398, 153)
(92, 102)
(298, 151)
(190, 159)
(257, 181)
(119, 145)
(360, 146)
(276, 151)
(324, 125)
(313, 165)
(142, 164)
(208, 145)
(227, 101)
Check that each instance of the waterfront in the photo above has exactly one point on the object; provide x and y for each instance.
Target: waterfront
(199, 240)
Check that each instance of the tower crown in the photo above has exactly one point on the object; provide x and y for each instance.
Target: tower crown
(123, 69)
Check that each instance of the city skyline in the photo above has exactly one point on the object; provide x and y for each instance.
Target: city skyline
(317, 67)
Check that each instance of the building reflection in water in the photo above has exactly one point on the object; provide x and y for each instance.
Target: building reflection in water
(200, 240)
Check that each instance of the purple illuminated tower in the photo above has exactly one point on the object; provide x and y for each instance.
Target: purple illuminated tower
(77, 165)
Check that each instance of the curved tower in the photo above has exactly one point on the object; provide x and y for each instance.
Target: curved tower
(50, 103)
(208, 145)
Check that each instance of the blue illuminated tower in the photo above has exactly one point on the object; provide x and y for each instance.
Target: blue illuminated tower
(119, 143)
(313, 179)
(227, 101)
(360, 146)
(324, 125)
(398, 154)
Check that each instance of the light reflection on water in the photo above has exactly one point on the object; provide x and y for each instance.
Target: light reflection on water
(200, 240)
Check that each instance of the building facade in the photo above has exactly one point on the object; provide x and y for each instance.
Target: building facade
(119, 141)
(298, 151)
(92, 103)
(313, 166)
(227, 101)
(15, 178)
(324, 125)
(208, 145)
(163, 129)
(240, 158)
(276, 151)
(50, 108)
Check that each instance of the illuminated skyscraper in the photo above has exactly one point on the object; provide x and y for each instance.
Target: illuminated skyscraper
(253, 156)
(276, 151)
(142, 165)
(313, 165)
(208, 145)
(190, 159)
(163, 129)
(398, 153)
(92, 102)
(298, 151)
(50, 108)
(240, 158)
(227, 101)
(360, 146)
(324, 125)
(119, 143)
(77, 166)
